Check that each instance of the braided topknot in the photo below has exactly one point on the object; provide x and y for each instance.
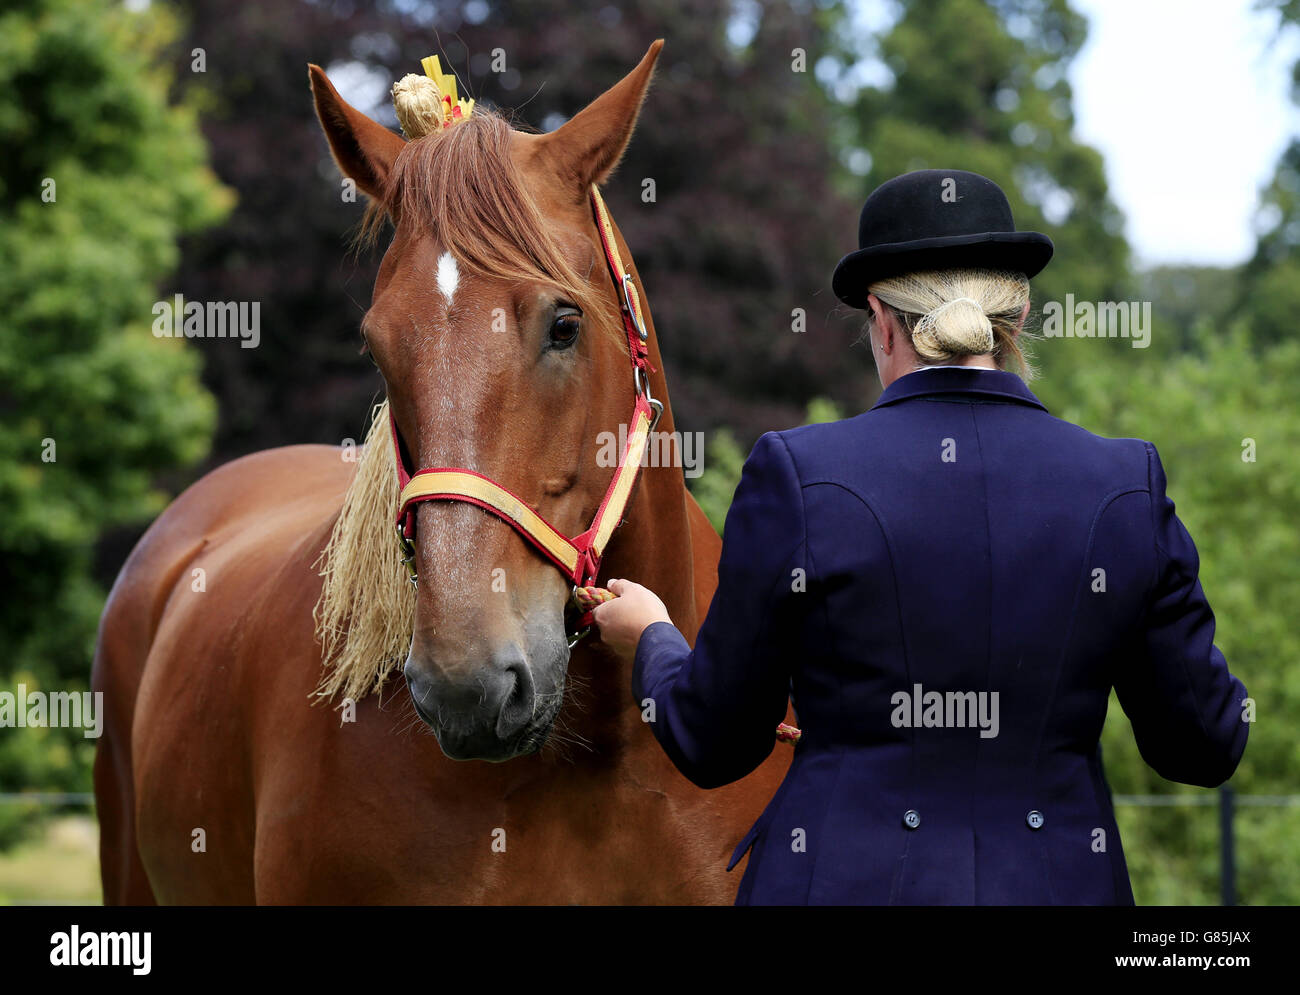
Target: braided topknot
(429, 103)
(419, 105)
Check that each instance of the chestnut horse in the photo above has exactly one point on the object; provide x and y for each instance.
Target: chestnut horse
(217, 780)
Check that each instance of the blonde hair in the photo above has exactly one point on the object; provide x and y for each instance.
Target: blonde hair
(366, 611)
(960, 312)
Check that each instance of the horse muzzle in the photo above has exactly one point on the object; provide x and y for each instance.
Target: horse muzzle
(495, 709)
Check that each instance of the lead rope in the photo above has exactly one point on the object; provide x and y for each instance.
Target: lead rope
(587, 598)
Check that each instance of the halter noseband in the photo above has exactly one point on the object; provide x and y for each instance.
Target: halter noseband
(578, 558)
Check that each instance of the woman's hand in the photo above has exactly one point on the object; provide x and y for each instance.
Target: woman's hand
(622, 620)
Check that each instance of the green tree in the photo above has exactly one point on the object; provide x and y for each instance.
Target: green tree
(1185, 297)
(100, 177)
(1269, 290)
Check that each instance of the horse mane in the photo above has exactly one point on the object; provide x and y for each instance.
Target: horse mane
(462, 185)
(365, 615)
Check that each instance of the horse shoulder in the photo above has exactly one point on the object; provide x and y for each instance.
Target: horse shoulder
(168, 628)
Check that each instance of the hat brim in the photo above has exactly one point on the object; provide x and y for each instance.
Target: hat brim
(1020, 251)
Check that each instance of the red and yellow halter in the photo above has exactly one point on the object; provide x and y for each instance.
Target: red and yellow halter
(578, 558)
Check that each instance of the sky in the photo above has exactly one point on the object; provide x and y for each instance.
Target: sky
(1188, 103)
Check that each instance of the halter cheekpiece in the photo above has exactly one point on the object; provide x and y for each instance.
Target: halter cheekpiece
(578, 558)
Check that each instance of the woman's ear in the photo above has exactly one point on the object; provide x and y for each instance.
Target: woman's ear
(880, 317)
(875, 306)
(364, 150)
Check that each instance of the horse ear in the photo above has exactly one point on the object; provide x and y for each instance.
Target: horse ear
(364, 150)
(586, 148)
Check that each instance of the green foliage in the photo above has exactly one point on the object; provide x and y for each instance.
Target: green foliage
(41, 758)
(1271, 299)
(1184, 297)
(1267, 295)
(715, 486)
(100, 177)
(822, 410)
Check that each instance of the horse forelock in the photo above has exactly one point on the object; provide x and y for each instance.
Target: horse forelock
(463, 186)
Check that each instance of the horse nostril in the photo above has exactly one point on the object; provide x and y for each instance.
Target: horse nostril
(517, 703)
(517, 692)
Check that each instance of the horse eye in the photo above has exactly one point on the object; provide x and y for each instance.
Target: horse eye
(565, 328)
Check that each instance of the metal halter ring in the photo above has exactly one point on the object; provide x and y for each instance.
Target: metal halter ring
(408, 553)
(577, 636)
(628, 290)
(641, 383)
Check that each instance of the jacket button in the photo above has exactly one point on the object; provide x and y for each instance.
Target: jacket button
(1035, 819)
(911, 818)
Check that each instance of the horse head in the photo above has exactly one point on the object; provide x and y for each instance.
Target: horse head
(496, 326)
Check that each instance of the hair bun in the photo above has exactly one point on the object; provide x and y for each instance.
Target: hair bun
(958, 327)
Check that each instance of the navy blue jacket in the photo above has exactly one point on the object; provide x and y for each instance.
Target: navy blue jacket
(889, 574)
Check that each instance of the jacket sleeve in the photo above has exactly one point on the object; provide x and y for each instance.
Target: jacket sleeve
(715, 710)
(1185, 706)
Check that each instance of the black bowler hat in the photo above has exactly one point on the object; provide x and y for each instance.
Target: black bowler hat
(936, 219)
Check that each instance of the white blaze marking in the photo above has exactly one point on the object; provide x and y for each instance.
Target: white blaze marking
(448, 276)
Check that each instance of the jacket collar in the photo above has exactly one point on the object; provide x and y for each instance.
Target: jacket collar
(997, 384)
